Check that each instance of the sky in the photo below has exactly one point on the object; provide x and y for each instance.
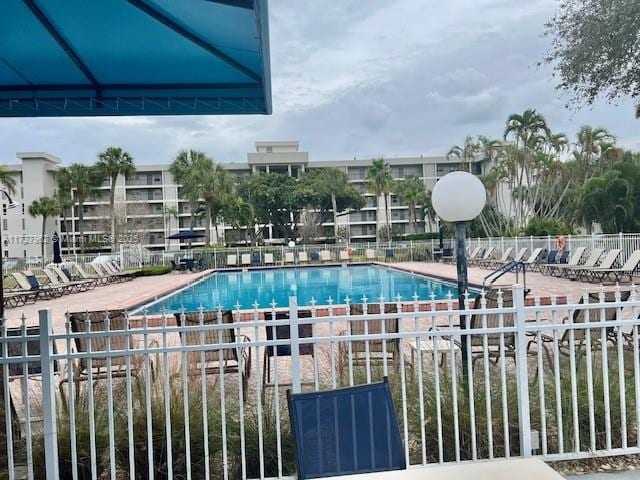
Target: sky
(363, 79)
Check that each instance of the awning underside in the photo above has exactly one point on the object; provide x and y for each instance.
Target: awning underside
(133, 57)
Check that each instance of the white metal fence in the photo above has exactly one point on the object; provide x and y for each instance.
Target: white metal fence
(202, 394)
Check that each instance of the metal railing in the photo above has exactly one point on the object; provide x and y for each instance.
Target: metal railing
(202, 394)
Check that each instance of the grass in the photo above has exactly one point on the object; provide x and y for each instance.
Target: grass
(423, 431)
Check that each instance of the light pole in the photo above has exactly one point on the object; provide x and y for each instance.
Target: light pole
(459, 197)
(11, 204)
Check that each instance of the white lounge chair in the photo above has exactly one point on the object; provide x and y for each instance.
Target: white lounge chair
(303, 257)
(232, 260)
(370, 254)
(344, 255)
(289, 257)
(246, 259)
(325, 256)
(268, 258)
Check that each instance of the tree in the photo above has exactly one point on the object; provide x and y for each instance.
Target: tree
(428, 212)
(241, 215)
(112, 162)
(84, 179)
(334, 195)
(65, 199)
(594, 49)
(591, 144)
(380, 182)
(8, 178)
(411, 190)
(466, 153)
(44, 207)
(181, 168)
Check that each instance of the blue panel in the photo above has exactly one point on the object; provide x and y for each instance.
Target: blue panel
(346, 431)
(133, 57)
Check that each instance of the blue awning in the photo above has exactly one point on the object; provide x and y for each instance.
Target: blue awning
(134, 57)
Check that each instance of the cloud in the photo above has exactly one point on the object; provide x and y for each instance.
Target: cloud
(354, 78)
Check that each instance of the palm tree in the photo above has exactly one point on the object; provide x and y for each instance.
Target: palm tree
(64, 197)
(332, 182)
(465, 154)
(525, 127)
(380, 182)
(411, 190)
(591, 144)
(241, 214)
(8, 179)
(84, 179)
(44, 207)
(180, 169)
(113, 162)
(208, 181)
(428, 212)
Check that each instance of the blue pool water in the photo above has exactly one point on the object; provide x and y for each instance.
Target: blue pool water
(265, 286)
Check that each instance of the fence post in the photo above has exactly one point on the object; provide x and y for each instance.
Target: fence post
(49, 418)
(522, 376)
(411, 250)
(296, 384)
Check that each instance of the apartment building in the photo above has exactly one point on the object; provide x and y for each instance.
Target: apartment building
(149, 205)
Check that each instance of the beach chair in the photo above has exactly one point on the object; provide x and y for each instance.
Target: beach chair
(115, 269)
(103, 269)
(325, 256)
(245, 259)
(289, 257)
(564, 257)
(82, 285)
(550, 261)
(96, 321)
(380, 352)
(574, 261)
(535, 259)
(581, 315)
(282, 332)
(256, 259)
(475, 254)
(54, 281)
(232, 260)
(102, 280)
(268, 258)
(346, 431)
(607, 262)
(344, 256)
(389, 253)
(616, 274)
(303, 257)
(232, 360)
(28, 282)
(488, 255)
(506, 255)
(370, 254)
(315, 256)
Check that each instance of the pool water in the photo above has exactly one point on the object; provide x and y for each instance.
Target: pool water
(320, 283)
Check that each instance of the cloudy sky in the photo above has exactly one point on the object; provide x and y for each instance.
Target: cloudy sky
(355, 78)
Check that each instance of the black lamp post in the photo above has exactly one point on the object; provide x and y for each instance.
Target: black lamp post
(11, 204)
(459, 197)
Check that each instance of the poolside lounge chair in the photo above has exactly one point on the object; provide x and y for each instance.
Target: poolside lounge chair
(580, 316)
(82, 285)
(380, 352)
(232, 260)
(346, 431)
(178, 267)
(584, 271)
(616, 274)
(520, 255)
(488, 255)
(475, 254)
(535, 258)
(256, 259)
(245, 259)
(303, 257)
(489, 263)
(232, 360)
(550, 261)
(114, 269)
(370, 254)
(574, 262)
(86, 276)
(28, 282)
(325, 256)
(54, 281)
(96, 321)
(315, 256)
(18, 298)
(268, 258)
(344, 256)
(281, 332)
(103, 269)
(289, 257)
(389, 253)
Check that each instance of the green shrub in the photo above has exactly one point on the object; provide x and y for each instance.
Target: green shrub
(152, 270)
(547, 226)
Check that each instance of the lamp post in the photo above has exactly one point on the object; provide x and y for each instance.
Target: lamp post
(459, 197)
(11, 204)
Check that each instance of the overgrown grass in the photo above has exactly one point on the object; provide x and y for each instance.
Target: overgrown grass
(429, 439)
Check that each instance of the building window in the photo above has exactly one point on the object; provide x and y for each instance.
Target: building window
(4, 224)
(269, 149)
(23, 225)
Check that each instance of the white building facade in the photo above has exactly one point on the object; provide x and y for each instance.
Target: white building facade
(149, 200)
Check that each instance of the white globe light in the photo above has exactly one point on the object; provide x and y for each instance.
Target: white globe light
(292, 244)
(458, 197)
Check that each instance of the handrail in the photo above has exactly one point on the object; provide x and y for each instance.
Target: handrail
(509, 267)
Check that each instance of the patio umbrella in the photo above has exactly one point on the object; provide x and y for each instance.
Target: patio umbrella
(57, 258)
(186, 235)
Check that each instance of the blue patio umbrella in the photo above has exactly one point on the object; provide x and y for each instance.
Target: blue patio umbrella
(186, 235)
(57, 258)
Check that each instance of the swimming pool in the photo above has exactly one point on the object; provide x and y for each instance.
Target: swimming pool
(264, 286)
